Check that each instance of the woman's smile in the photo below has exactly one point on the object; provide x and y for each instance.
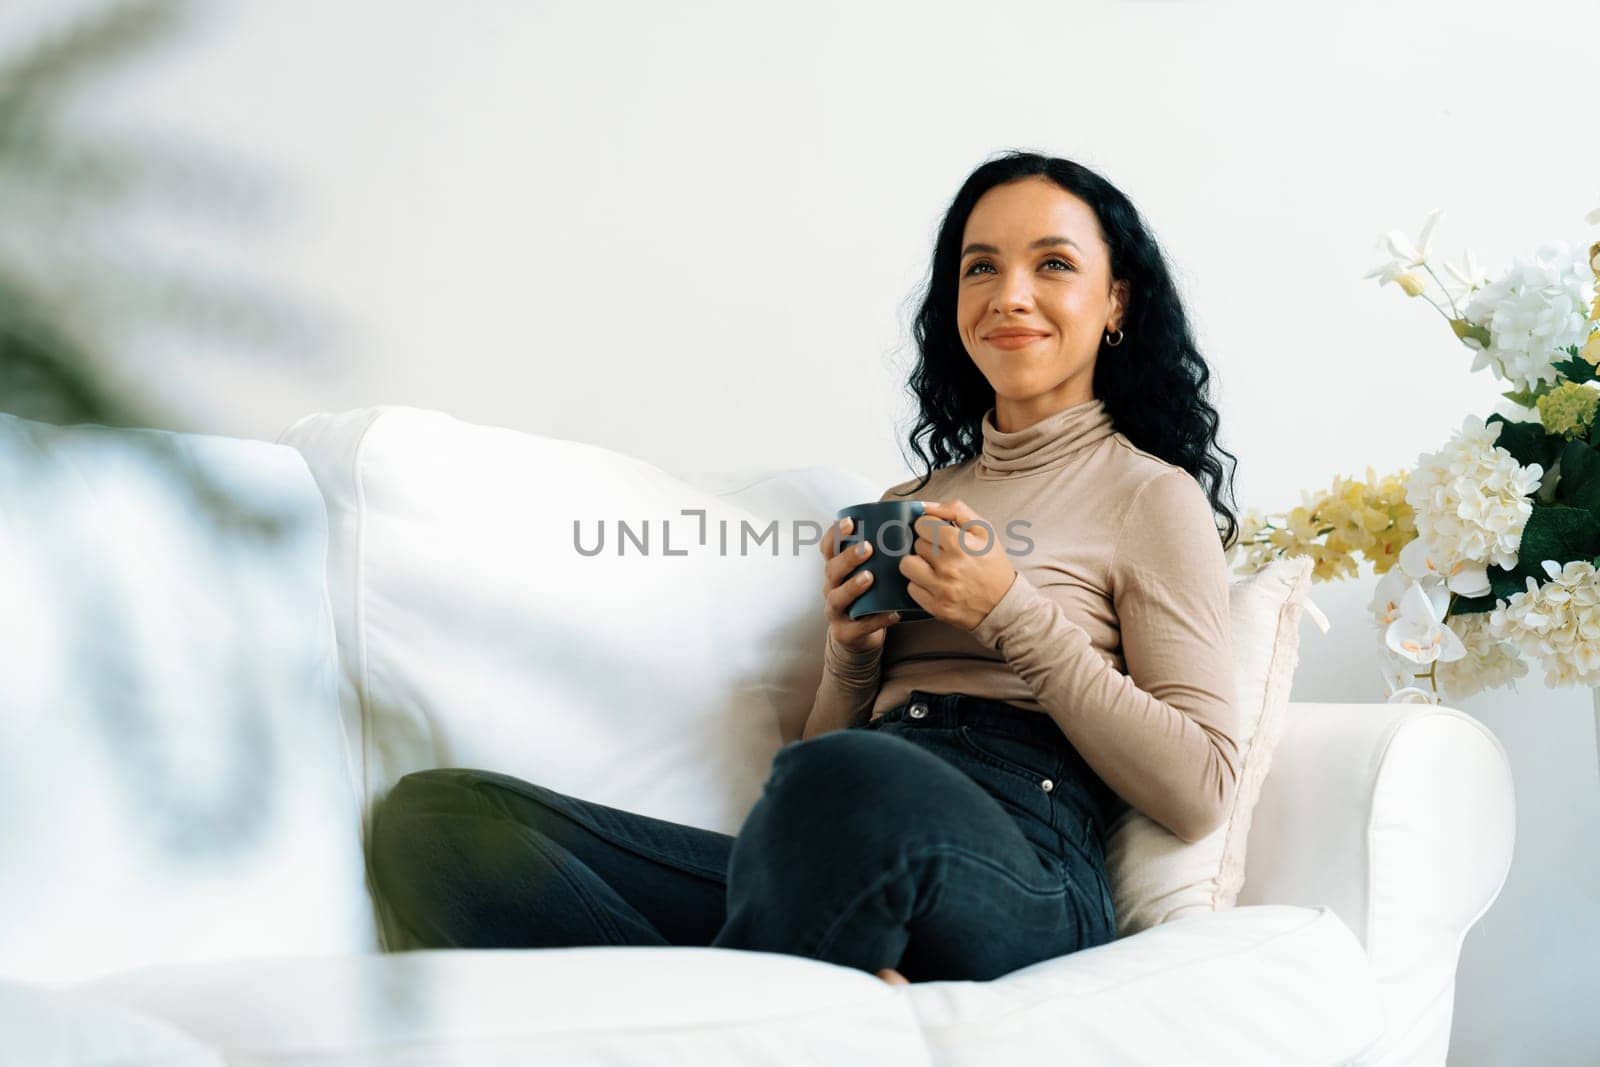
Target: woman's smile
(1012, 341)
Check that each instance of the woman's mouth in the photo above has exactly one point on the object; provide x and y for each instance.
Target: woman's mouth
(1011, 341)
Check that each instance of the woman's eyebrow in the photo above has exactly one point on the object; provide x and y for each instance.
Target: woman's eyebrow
(1043, 242)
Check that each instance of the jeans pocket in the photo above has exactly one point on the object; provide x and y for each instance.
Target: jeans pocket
(1020, 757)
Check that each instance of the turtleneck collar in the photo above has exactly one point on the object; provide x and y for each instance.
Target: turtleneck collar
(1045, 445)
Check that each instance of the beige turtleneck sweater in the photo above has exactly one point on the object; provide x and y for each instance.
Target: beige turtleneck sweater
(1116, 625)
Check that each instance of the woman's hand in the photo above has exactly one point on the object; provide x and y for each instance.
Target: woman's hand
(949, 580)
(840, 587)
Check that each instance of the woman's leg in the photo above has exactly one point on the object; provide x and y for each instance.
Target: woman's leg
(870, 851)
(469, 858)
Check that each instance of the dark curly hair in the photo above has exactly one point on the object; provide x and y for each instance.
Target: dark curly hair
(1155, 387)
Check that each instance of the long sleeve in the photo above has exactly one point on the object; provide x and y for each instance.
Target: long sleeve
(849, 684)
(850, 680)
(1164, 735)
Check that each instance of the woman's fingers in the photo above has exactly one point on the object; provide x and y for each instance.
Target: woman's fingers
(829, 545)
(839, 597)
(844, 579)
(865, 633)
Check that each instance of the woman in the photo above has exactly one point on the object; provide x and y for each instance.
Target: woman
(945, 813)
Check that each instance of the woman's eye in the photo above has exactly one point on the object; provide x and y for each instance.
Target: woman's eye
(985, 263)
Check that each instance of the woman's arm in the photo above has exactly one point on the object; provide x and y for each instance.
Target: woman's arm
(1164, 735)
(849, 685)
(850, 678)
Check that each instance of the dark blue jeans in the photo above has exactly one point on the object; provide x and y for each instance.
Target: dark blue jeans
(952, 838)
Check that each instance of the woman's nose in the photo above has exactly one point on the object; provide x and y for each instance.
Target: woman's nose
(1015, 291)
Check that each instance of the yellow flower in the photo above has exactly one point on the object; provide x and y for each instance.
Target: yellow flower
(1591, 348)
(1568, 409)
(1411, 282)
(1353, 518)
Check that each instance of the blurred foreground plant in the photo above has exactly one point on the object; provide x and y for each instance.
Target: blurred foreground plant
(77, 284)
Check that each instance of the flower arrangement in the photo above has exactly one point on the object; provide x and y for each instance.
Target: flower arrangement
(1488, 548)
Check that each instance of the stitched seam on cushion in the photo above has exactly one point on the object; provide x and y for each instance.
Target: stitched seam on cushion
(1290, 606)
(609, 1029)
(360, 607)
(786, 472)
(1372, 816)
(899, 869)
(1433, 998)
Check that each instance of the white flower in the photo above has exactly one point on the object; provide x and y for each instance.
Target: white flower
(1557, 622)
(1471, 503)
(1420, 634)
(1466, 279)
(1403, 255)
(1533, 311)
(1463, 577)
(1488, 664)
(1593, 217)
(1400, 679)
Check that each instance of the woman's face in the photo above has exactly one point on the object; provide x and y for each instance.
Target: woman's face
(1032, 259)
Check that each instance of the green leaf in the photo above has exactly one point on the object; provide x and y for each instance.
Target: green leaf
(1579, 484)
(1464, 329)
(1577, 369)
(1527, 442)
(1556, 532)
(1503, 585)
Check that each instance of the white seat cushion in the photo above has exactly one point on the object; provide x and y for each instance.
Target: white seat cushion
(42, 1027)
(602, 1006)
(1271, 985)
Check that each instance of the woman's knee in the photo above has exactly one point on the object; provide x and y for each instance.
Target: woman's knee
(427, 822)
(847, 790)
(852, 765)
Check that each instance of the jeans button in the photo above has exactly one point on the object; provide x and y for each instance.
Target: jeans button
(1047, 785)
(917, 710)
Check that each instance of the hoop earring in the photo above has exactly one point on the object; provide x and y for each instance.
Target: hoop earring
(1113, 344)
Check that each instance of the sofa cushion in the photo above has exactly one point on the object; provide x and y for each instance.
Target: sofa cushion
(576, 1007)
(659, 675)
(1157, 877)
(1273, 986)
(42, 1027)
(173, 782)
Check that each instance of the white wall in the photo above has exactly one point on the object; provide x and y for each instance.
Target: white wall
(691, 232)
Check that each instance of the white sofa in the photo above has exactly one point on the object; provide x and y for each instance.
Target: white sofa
(197, 724)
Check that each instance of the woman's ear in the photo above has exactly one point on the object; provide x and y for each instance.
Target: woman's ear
(1119, 303)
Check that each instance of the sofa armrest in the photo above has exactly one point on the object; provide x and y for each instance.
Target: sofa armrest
(1401, 818)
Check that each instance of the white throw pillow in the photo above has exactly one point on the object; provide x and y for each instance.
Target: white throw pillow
(173, 782)
(473, 633)
(1156, 877)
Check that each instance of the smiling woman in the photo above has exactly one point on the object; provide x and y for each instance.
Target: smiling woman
(945, 812)
(1048, 298)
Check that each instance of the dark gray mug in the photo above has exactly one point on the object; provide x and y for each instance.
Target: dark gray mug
(888, 525)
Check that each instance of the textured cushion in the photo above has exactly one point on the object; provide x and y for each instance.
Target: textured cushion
(473, 632)
(1155, 876)
(65, 1028)
(1268, 986)
(604, 1006)
(173, 783)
